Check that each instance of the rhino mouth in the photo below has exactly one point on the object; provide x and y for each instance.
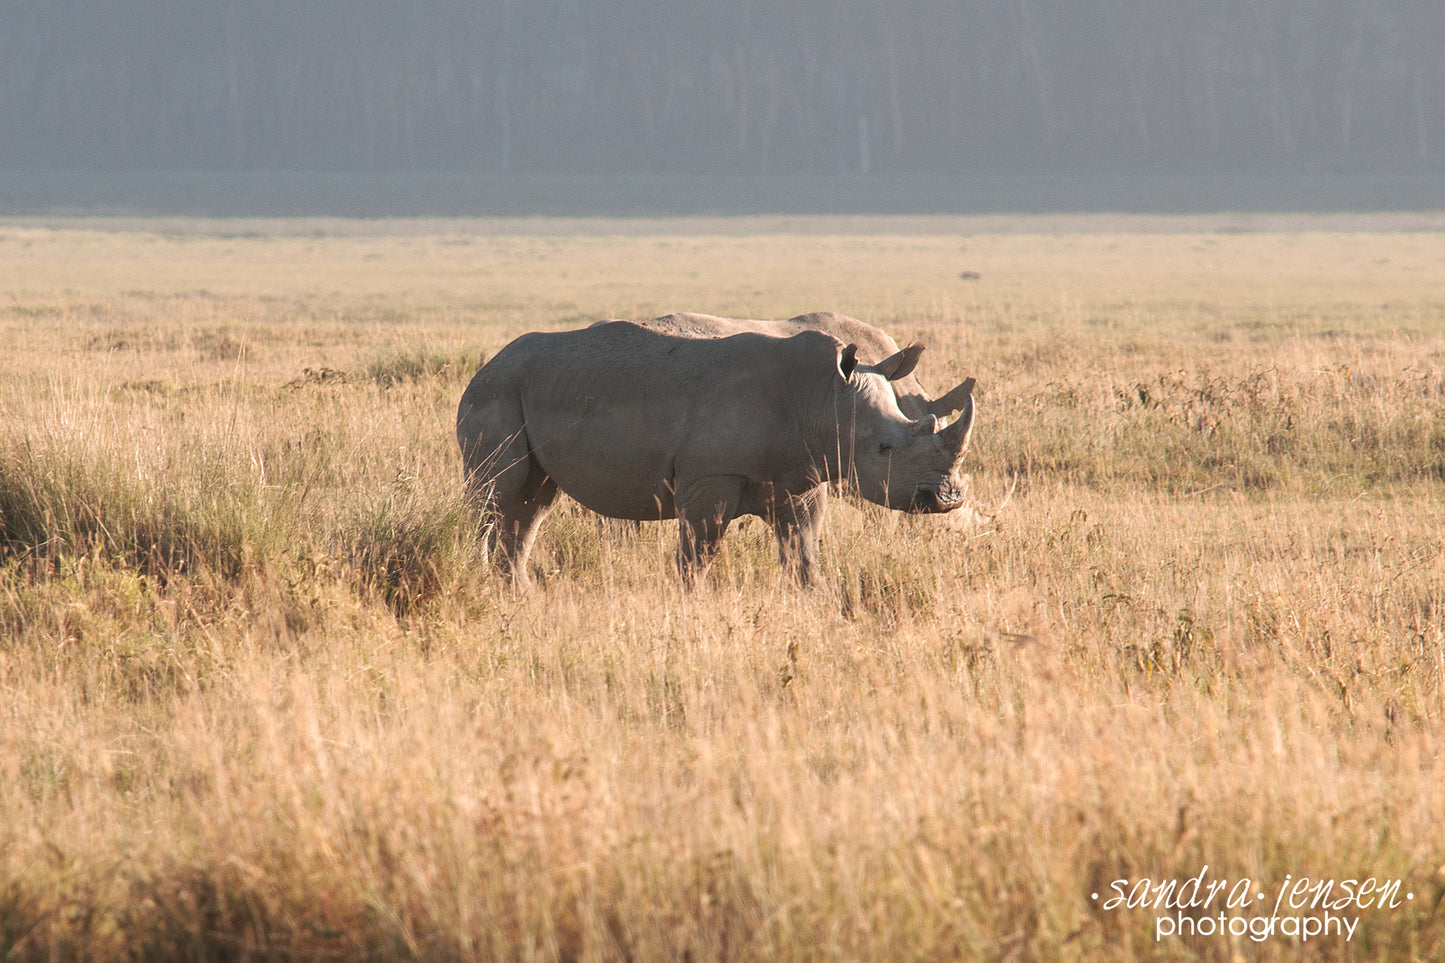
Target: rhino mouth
(935, 501)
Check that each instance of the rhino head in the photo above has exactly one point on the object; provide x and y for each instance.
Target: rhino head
(894, 461)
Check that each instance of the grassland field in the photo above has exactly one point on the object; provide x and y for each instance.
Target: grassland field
(261, 696)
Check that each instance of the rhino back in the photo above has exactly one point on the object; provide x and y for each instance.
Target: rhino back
(873, 343)
(615, 414)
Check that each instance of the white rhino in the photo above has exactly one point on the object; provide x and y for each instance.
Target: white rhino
(873, 346)
(637, 424)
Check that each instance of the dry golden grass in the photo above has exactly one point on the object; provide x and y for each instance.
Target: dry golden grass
(262, 697)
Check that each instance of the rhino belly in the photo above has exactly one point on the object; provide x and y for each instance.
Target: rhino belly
(610, 476)
(614, 495)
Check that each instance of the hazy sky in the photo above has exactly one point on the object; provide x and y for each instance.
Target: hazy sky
(820, 87)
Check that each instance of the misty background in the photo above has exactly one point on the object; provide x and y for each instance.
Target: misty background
(654, 106)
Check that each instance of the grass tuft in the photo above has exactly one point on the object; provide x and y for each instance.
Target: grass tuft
(411, 551)
(409, 367)
(57, 503)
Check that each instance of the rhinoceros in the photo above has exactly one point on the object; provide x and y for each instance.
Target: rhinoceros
(638, 424)
(873, 346)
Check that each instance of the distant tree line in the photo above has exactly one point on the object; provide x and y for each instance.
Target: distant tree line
(723, 86)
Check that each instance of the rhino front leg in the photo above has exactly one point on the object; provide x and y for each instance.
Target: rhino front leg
(797, 521)
(705, 508)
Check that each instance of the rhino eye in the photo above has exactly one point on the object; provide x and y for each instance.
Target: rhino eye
(885, 449)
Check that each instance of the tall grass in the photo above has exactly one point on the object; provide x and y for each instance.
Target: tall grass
(1293, 418)
(263, 697)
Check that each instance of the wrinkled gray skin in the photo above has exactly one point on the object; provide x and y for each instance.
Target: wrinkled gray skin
(637, 424)
(873, 346)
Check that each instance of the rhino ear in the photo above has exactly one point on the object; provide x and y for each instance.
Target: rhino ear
(899, 364)
(847, 361)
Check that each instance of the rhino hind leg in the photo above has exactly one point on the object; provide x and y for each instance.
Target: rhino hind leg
(518, 520)
(509, 490)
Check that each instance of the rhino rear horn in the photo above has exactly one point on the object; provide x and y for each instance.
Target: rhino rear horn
(924, 426)
(956, 435)
(900, 364)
